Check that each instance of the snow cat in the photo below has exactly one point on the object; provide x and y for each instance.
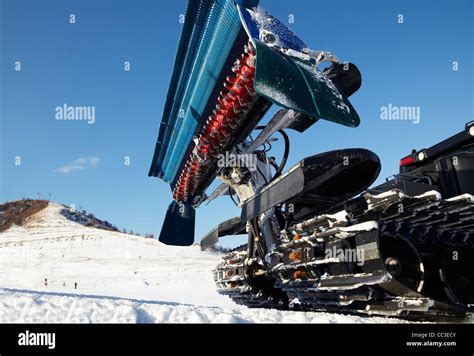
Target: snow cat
(320, 237)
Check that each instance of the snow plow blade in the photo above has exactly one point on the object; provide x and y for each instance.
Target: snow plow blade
(221, 88)
(223, 83)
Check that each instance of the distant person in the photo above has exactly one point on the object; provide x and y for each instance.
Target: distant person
(46, 282)
(75, 285)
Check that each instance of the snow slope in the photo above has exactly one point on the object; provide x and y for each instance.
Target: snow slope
(120, 278)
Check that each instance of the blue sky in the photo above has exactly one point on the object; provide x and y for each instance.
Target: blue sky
(82, 64)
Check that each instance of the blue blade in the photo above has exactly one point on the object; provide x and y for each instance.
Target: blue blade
(209, 33)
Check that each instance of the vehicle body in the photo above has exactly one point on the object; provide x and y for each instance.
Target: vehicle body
(319, 237)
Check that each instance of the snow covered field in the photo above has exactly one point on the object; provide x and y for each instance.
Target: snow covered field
(120, 279)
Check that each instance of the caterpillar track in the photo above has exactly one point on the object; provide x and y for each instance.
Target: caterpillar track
(413, 260)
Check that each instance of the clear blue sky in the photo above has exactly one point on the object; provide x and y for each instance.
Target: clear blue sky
(81, 64)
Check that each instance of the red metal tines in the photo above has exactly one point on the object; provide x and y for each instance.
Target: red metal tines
(220, 126)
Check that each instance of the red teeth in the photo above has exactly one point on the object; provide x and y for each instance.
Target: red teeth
(221, 125)
(231, 80)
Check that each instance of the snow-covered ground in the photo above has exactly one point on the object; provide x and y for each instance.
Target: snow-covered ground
(120, 278)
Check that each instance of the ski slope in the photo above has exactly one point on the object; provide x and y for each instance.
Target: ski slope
(120, 278)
